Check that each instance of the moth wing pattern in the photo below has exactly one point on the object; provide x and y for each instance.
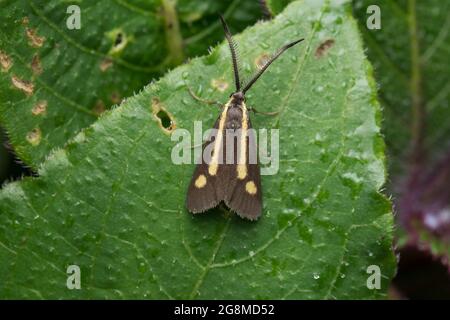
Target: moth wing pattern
(245, 195)
(203, 189)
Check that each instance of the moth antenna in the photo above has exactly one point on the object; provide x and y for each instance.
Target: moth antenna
(268, 63)
(239, 65)
(233, 50)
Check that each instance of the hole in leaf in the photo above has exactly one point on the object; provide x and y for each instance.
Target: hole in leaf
(164, 118)
(119, 39)
(166, 122)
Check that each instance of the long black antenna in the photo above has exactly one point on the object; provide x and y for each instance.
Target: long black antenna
(267, 64)
(233, 49)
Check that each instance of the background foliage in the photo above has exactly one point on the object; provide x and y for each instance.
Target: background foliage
(409, 54)
(314, 242)
(72, 76)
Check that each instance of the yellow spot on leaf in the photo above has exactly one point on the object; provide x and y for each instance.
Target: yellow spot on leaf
(34, 136)
(39, 108)
(34, 39)
(25, 21)
(105, 64)
(25, 86)
(261, 60)
(251, 188)
(200, 182)
(165, 120)
(219, 84)
(36, 65)
(213, 166)
(5, 61)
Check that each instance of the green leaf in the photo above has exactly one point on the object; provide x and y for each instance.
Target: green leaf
(55, 81)
(112, 201)
(410, 59)
(410, 56)
(275, 6)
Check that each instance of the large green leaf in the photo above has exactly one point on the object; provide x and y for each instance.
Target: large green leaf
(410, 55)
(55, 81)
(112, 202)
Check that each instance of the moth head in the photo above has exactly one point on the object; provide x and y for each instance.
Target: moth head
(238, 97)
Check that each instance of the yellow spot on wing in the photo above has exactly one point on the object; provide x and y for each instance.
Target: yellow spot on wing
(242, 163)
(251, 188)
(200, 182)
(213, 166)
(241, 171)
(212, 169)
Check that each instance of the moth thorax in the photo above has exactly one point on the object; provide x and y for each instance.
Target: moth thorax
(234, 124)
(234, 118)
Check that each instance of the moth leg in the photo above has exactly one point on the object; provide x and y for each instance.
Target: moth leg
(201, 144)
(209, 102)
(274, 113)
(196, 145)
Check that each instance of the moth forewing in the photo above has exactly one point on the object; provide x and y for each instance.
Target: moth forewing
(246, 196)
(201, 194)
(202, 191)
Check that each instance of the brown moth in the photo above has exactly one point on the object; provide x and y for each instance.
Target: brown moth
(237, 183)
